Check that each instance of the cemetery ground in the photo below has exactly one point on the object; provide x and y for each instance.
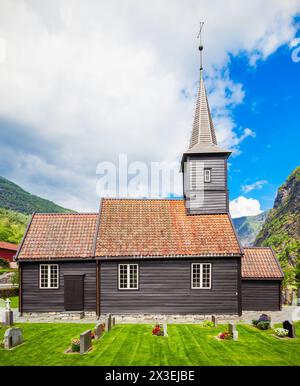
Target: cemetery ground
(132, 344)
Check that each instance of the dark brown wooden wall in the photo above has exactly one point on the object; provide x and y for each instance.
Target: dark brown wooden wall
(47, 300)
(165, 287)
(261, 295)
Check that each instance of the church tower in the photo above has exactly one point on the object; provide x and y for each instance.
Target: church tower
(204, 164)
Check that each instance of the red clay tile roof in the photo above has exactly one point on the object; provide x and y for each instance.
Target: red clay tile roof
(162, 228)
(260, 263)
(56, 236)
(8, 246)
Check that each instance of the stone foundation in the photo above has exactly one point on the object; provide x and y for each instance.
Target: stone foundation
(175, 318)
(48, 316)
(126, 318)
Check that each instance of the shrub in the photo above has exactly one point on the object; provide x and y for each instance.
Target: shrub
(281, 332)
(208, 323)
(263, 325)
(75, 345)
(15, 278)
(254, 322)
(4, 263)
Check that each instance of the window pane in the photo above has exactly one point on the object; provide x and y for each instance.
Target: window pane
(196, 276)
(133, 279)
(123, 275)
(128, 276)
(206, 276)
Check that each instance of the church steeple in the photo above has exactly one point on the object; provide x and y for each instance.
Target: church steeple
(204, 163)
(203, 128)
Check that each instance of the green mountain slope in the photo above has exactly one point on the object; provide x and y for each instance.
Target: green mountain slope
(282, 228)
(12, 225)
(15, 198)
(248, 227)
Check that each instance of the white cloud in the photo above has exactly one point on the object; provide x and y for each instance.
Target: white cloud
(256, 185)
(243, 206)
(92, 80)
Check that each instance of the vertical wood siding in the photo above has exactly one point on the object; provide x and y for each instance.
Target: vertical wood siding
(165, 287)
(35, 299)
(206, 197)
(261, 295)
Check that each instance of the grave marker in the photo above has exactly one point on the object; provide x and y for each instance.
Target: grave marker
(98, 330)
(85, 341)
(13, 337)
(287, 325)
(165, 330)
(214, 320)
(233, 331)
(108, 323)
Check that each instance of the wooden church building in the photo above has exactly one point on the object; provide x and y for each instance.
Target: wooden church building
(146, 256)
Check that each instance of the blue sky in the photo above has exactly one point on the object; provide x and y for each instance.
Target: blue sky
(79, 87)
(271, 108)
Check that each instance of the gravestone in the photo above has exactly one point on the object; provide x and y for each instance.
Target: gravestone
(214, 320)
(113, 321)
(233, 331)
(287, 325)
(298, 297)
(98, 330)
(108, 323)
(13, 337)
(8, 319)
(85, 341)
(165, 330)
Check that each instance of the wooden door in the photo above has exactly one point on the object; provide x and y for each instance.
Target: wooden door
(74, 292)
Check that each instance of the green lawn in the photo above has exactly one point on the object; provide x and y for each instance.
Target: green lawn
(134, 345)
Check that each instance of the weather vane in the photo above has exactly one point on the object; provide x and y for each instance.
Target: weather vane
(200, 44)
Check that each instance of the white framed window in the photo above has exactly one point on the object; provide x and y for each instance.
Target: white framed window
(207, 175)
(128, 276)
(49, 276)
(201, 276)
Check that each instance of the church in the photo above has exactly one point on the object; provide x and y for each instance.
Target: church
(151, 256)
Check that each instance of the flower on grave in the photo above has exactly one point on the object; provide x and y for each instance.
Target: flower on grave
(225, 335)
(75, 345)
(158, 330)
(281, 332)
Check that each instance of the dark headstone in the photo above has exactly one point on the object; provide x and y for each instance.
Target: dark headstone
(108, 323)
(287, 325)
(98, 330)
(214, 320)
(13, 337)
(85, 341)
(298, 297)
(8, 318)
(113, 321)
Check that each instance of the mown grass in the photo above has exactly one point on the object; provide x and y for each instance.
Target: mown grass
(134, 345)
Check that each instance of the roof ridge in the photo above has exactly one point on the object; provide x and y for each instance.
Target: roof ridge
(66, 214)
(257, 248)
(140, 199)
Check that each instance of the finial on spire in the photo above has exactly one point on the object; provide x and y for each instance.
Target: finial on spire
(200, 45)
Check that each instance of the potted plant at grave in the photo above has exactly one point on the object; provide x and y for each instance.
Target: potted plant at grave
(75, 345)
(158, 330)
(263, 322)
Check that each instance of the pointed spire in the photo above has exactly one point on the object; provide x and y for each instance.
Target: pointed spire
(203, 128)
(203, 138)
